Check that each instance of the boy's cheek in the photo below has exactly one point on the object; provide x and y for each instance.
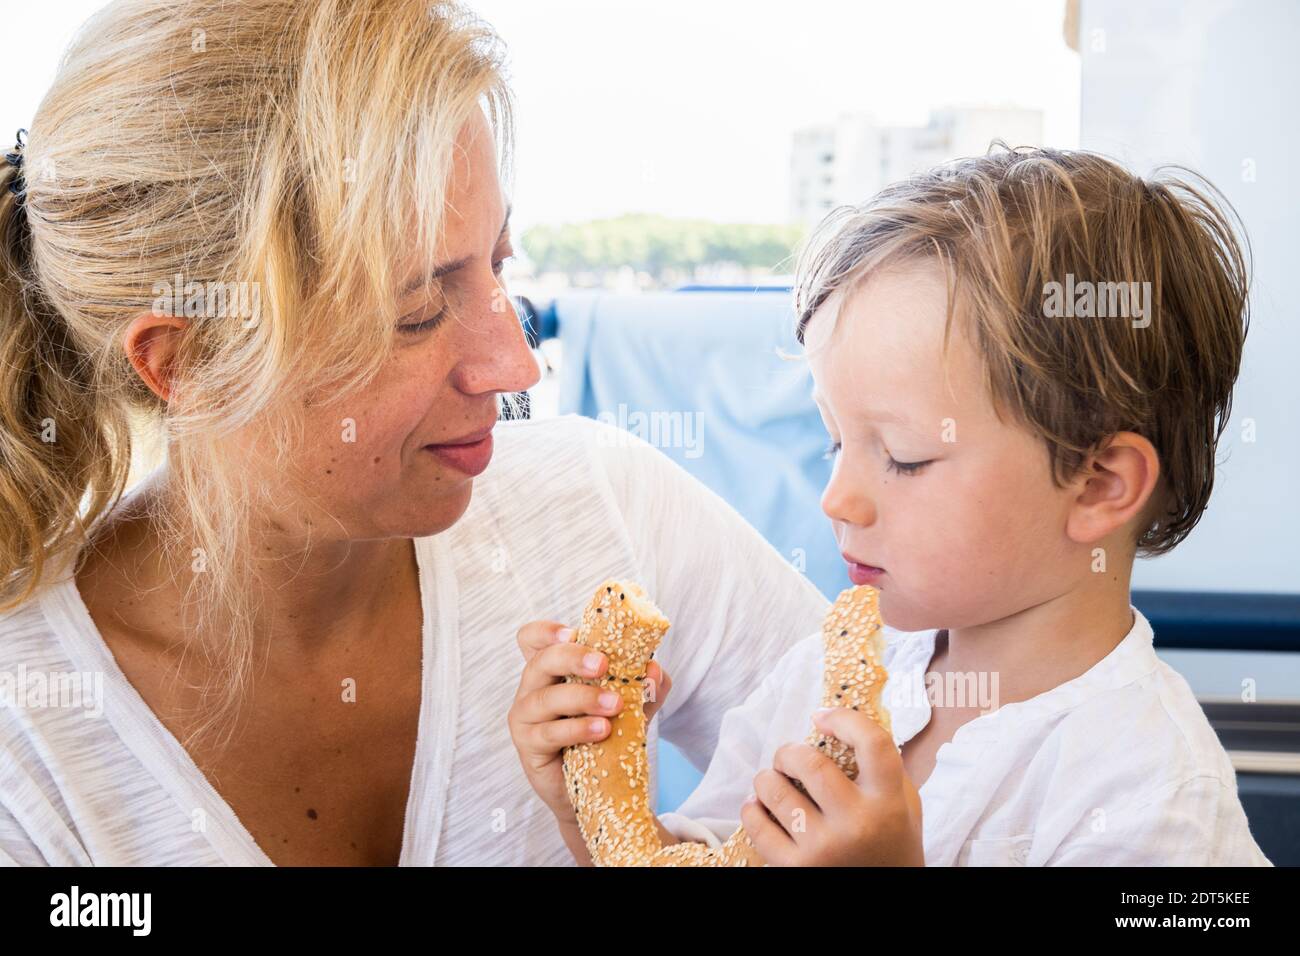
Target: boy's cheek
(944, 574)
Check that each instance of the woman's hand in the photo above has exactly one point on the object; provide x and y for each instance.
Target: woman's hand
(874, 820)
(549, 714)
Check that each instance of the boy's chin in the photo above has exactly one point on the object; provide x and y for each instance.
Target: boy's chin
(900, 615)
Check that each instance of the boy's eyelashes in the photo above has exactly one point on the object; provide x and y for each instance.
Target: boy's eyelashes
(901, 467)
(906, 467)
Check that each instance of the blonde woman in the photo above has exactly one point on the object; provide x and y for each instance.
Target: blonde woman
(296, 641)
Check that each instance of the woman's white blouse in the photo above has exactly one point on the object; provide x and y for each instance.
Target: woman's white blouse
(1117, 767)
(89, 775)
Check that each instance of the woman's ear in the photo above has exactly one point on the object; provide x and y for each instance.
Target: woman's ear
(1113, 488)
(151, 343)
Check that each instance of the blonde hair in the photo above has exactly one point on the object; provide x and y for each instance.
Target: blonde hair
(1008, 225)
(303, 148)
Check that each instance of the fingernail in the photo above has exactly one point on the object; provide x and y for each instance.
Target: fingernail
(822, 711)
(608, 700)
(564, 634)
(591, 662)
(598, 726)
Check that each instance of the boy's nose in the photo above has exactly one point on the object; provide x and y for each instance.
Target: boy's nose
(847, 501)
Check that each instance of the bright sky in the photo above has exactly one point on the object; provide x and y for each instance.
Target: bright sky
(686, 107)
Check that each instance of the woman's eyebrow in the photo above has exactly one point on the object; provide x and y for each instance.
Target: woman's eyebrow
(446, 268)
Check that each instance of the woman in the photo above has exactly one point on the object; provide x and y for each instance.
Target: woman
(297, 638)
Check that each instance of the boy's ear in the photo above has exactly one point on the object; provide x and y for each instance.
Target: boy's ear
(1113, 488)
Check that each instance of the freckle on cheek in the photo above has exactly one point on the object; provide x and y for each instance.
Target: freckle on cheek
(376, 461)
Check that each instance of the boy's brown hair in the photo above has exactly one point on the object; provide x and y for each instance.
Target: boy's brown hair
(1024, 235)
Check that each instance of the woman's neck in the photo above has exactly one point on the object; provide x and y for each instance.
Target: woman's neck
(308, 597)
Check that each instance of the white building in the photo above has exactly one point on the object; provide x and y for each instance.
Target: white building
(851, 159)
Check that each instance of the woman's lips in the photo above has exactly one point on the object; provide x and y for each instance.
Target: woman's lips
(471, 458)
(864, 573)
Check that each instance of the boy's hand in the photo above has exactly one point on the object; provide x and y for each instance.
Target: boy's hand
(549, 714)
(874, 820)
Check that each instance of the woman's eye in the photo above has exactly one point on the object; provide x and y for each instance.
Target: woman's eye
(413, 327)
(906, 467)
(499, 266)
(832, 449)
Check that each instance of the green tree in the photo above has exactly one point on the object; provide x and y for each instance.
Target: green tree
(666, 249)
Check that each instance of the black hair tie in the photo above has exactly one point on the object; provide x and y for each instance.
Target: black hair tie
(15, 159)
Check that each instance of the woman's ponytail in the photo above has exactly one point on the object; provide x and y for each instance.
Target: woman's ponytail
(56, 441)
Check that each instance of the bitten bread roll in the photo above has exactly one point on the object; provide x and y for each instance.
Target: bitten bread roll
(609, 781)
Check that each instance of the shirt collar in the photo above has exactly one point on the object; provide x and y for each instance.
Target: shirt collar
(908, 656)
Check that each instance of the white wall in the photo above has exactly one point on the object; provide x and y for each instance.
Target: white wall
(36, 35)
(1213, 84)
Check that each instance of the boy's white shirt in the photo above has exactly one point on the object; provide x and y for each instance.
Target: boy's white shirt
(1117, 767)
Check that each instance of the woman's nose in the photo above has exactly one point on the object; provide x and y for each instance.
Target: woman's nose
(494, 355)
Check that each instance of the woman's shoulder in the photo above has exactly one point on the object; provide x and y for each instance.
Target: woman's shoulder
(571, 456)
(27, 636)
(519, 441)
(571, 426)
(545, 495)
(36, 670)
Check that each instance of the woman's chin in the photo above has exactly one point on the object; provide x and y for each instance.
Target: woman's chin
(439, 513)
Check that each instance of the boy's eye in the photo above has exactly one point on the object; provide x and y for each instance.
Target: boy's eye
(499, 266)
(832, 449)
(906, 467)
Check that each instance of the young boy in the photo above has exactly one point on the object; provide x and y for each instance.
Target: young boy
(1025, 362)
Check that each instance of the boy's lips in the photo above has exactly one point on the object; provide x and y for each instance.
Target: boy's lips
(861, 573)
